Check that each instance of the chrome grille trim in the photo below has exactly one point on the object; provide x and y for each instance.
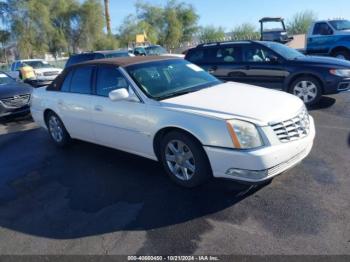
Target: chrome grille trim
(293, 129)
(51, 73)
(16, 101)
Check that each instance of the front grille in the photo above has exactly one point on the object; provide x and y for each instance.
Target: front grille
(51, 73)
(16, 101)
(293, 129)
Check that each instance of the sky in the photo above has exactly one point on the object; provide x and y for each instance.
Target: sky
(229, 13)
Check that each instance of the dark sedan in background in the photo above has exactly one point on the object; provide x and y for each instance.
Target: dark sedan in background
(273, 65)
(83, 57)
(14, 96)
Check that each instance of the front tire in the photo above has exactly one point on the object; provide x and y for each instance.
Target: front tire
(342, 54)
(57, 131)
(307, 89)
(184, 159)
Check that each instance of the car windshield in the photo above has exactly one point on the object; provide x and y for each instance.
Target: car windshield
(284, 51)
(170, 78)
(5, 79)
(340, 24)
(155, 50)
(37, 64)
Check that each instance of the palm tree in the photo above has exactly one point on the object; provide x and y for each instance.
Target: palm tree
(108, 17)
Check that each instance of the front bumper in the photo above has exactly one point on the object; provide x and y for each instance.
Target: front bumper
(336, 84)
(256, 166)
(10, 112)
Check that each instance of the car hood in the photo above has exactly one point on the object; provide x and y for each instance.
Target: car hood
(14, 88)
(324, 61)
(235, 100)
(48, 69)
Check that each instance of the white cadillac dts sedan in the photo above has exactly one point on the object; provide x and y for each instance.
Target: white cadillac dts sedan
(167, 109)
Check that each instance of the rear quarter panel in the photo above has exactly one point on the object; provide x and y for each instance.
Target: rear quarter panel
(40, 101)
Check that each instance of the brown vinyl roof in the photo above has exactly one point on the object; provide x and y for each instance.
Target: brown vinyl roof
(126, 61)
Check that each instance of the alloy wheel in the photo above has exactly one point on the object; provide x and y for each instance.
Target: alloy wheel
(305, 90)
(180, 160)
(56, 129)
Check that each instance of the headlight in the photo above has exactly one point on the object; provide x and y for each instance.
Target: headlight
(39, 74)
(340, 72)
(244, 135)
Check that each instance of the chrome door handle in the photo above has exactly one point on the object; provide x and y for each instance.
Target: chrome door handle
(98, 108)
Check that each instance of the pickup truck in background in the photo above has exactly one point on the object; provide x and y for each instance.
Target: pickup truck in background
(329, 38)
(45, 73)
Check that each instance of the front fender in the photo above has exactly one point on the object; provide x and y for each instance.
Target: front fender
(208, 130)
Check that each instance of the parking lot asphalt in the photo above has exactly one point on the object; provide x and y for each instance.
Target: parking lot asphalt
(88, 199)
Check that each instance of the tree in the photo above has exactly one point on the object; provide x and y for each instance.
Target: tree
(168, 25)
(173, 31)
(211, 34)
(245, 31)
(41, 26)
(301, 22)
(108, 17)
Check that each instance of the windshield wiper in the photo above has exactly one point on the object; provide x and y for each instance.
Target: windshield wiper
(179, 93)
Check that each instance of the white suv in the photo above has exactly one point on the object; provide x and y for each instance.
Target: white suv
(45, 73)
(170, 110)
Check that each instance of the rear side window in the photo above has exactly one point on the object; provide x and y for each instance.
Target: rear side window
(109, 79)
(81, 80)
(66, 83)
(226, 54)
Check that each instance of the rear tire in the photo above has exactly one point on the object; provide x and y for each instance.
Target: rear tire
(307, 88)
(184, 159)
(57, 131)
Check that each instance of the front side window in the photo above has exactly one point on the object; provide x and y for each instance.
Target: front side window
(108, 79)
(170, 78)
(229, 54)
(322, 29)
(81, 80)
(257, 54)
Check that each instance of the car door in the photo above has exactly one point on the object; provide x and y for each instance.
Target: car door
(263, 67)
(320, 41)
(225, 62)
(119, 124)
(74, 102)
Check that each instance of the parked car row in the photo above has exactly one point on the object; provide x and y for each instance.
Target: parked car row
(44, 72)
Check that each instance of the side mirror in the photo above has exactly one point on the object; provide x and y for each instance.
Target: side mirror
(119, 94)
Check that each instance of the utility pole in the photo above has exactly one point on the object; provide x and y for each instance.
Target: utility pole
(108, 17)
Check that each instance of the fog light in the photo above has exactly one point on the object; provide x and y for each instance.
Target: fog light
(249, 174)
